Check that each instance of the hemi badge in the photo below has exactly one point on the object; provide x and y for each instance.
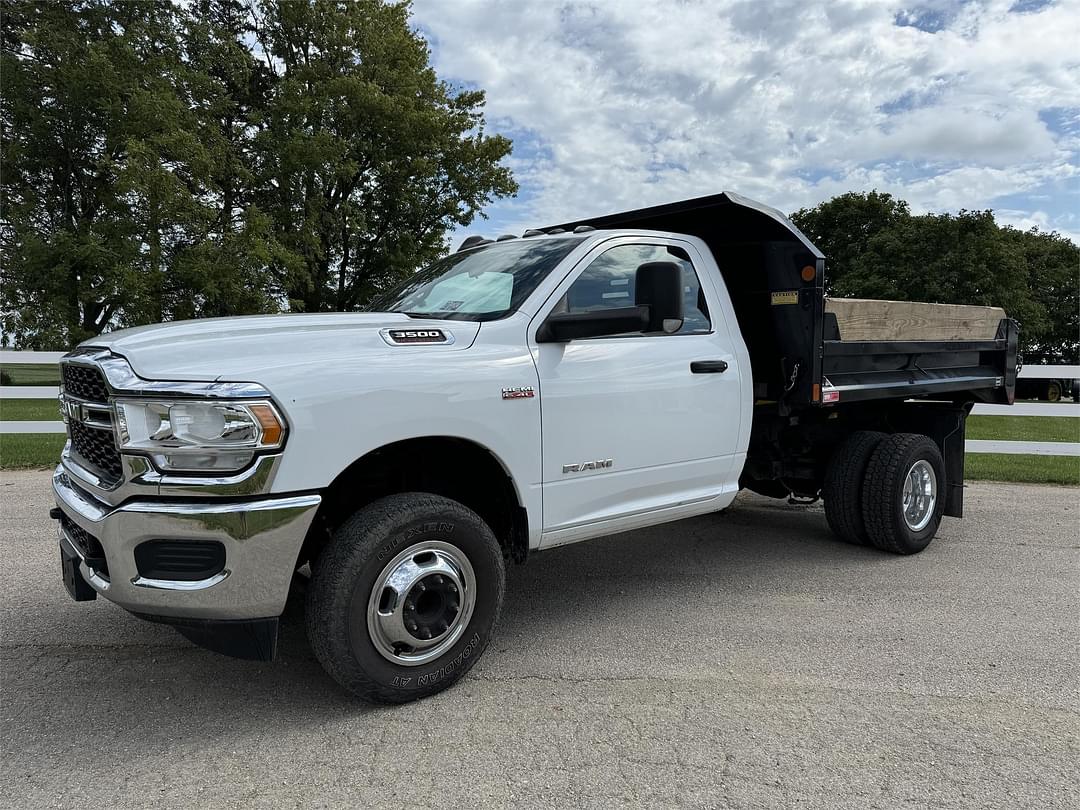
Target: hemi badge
(521, 392)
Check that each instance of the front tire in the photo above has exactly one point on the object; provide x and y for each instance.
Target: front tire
(405, 596)
(903, 495)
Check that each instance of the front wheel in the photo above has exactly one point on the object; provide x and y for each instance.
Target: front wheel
(404, 597)
(903, 495)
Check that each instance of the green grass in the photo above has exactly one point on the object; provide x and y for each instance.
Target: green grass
(23, 451)
(22, 410)
(1025, 428)
(36, 450)
(31, 374)
(27, 451)
(1022, 469)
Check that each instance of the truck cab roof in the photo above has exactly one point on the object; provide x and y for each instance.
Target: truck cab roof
(715, 218)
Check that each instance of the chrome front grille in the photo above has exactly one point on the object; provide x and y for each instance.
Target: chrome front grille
(96, 447)
(84, 382)
(89, 421)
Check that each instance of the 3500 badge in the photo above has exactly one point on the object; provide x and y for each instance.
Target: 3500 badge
(403, 336)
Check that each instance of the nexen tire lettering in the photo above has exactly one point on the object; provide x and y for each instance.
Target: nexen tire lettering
(446, 529)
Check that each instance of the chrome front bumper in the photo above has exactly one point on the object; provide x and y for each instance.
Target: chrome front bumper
(262, 540)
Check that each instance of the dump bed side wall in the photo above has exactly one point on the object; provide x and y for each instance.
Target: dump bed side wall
(983, 370)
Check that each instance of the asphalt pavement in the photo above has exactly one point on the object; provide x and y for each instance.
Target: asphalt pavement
(743, 659)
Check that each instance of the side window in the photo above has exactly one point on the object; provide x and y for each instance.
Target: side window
(608, 283)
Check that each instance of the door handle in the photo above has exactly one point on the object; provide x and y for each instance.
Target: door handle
(708, 366)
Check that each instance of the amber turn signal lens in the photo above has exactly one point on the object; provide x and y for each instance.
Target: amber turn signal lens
(268, 421)
(808, 273)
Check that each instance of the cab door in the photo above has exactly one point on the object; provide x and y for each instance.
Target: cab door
(635, 423)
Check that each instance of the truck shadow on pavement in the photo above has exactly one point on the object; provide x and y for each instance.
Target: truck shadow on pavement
(615, 599)
(597, 595)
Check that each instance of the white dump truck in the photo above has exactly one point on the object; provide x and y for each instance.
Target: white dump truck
(517, 395)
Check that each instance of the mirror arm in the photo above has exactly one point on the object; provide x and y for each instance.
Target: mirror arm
(544, 334)
(592, 324)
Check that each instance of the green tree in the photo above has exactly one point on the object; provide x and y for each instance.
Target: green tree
(1053, 277)
(227, 267)
(842, 226)
(366, 157)
(74, 95)
(875, 248)
(217, 157)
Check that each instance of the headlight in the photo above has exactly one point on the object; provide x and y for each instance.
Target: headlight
(198, 435)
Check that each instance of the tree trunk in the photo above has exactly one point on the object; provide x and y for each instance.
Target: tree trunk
(343, 268)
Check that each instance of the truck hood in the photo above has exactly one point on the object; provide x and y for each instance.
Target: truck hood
(242, 349)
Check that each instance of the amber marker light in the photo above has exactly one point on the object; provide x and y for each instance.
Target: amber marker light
(808, 273)
(272, 430)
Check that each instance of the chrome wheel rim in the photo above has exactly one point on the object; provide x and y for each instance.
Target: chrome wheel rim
(920, 495)
(421, 603)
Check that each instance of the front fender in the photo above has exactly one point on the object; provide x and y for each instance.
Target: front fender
(333, 422)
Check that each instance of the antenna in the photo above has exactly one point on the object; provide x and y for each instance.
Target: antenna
(473, 241)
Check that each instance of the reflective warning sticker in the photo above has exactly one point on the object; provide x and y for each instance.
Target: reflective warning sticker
(785, 297)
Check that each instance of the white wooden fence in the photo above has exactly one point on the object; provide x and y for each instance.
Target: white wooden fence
(1070, 409)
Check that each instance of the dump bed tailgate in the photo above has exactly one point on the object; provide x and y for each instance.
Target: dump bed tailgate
(969, 349)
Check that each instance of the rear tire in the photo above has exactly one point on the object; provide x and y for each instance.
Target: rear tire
(842, 489)
(404, 597)
(1053, 392)
(903, 495)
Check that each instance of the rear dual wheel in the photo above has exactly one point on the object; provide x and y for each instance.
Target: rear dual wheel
(904, 493)
(843, 485)
(886, 491)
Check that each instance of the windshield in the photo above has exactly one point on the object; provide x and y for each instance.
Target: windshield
(482, 284)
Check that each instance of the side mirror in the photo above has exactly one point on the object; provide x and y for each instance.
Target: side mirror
(659, 287)
(565, 326)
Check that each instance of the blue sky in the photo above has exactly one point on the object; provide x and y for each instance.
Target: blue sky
(619, 104)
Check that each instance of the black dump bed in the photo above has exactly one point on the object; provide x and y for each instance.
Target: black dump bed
(776, 278)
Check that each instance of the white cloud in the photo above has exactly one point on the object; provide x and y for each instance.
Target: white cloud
(622, 104)
(1068, 226)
